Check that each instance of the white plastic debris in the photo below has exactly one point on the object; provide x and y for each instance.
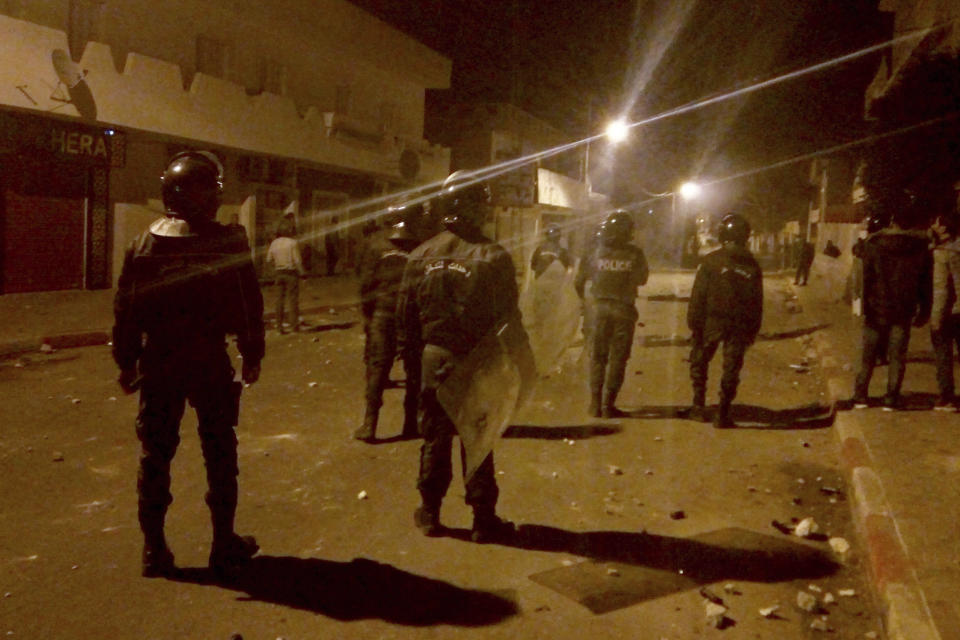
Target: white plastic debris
(840, 546)
(362, 495)
(806, 527)
(767, 612)
(806, 601)
(846, 593)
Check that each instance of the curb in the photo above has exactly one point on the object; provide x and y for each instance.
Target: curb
(894, 581)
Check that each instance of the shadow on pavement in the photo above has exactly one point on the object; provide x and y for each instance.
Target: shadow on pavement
(908, 402)
(328, 326)
(626, 568)
(360, 589)
(748, 416)
(570, 432)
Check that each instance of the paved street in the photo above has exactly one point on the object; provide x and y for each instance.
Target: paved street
(622, 522)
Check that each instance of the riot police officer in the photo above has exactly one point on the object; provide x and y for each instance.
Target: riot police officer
(726, 306)
(186, 283)
(616, 268)
(381, 270)
(549, 251)
(457, 287)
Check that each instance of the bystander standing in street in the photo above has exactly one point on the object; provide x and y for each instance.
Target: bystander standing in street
(805, 255)
(897, 269)
(284, 256)
(726, 306)
(615, 270)
(945, 307)
(185, 284)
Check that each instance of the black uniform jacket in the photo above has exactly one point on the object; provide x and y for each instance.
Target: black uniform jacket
(616, 272)
(381, 270)
(455, 291)
(897, 276)
(545, 254)
(184, 294)
(727, 293)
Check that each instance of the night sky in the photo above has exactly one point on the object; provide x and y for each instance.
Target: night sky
(566, 61)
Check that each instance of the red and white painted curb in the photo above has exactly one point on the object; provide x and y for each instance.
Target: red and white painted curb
(907, 615)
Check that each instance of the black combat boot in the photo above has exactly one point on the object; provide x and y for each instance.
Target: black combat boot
(157, 559)
(609, 410)
(697, 412)
(230, 553)
(489, 527)
(722, 419)
(427, 519)
(366, 432)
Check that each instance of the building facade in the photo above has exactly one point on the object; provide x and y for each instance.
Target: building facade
(314, 108)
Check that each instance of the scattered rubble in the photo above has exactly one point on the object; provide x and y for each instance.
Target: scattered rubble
(846, 593)
(614, 470)
(311, 384)
(806, 527)
(46, 348)
(362, 495)
(57, 456)
(829, 598)
(769, 612)
(821, 625)
(806, 601)
(677, 515)
(613, 572)
(840, 546)
(731, 588)
(716, 615)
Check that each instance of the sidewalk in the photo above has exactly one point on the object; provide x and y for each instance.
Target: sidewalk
(80, 318)
(903, 470)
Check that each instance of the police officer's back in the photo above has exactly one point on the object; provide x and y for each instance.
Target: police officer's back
(186, 283)
(458, 286)
(616, 268)
(382, 264)
(726, 306)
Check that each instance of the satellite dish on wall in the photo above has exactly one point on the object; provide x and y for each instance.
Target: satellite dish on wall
(71, 76)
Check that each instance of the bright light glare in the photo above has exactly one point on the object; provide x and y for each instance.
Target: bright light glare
(690, 190)
(617, 131)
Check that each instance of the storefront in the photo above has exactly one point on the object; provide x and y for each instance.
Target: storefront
(54, 203)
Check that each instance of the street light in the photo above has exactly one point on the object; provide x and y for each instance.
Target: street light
(616, 131)
(688, 191)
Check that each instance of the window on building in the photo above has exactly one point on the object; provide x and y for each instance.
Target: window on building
(343, 99)
(83, 25)
(211, 56)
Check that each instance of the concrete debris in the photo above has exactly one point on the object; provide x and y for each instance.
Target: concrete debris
(57, 456)
(806, 527)
(7, 594)
(846, 593)
(311, 384)
(677, 515)
(752, 489)
(840, 546)
(648, 472)
(658, 438)
(820, 625)
(801, 481)
(567, 563)
(707, 594)
(800, 368)
(716, 614)
(768, 612)
(829, 598)
(814, 588)
(554, 475)
(614, 470)
(362, 495)
(613, 572)
(112, 399)
(75, 400)
(830, 491)
(46, 348)
(806, 601)
(731, 589)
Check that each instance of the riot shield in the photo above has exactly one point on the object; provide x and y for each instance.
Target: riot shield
(556, 315)
(484, 390)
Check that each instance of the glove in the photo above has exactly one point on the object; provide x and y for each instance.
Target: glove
(250, 373)
(129, 380)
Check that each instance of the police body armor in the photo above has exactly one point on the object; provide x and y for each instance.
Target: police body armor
(615, 273)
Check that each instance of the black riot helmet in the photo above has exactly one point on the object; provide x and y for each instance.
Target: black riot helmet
(552, 232)
(877, 221)
(617, 229)
(192, 184)
(408, 212)
(465, 200)
(734, 228)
